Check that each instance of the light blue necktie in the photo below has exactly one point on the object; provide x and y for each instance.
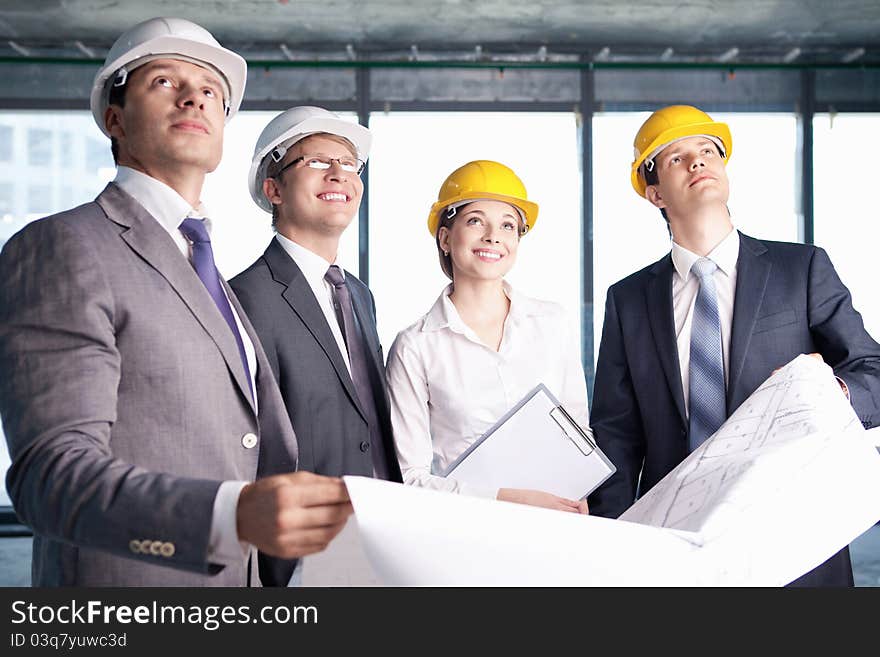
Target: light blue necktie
(707, 405)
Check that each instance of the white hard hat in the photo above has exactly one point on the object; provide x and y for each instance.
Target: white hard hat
(174, 38)
(289, 127)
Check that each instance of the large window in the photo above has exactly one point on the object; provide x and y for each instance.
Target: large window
(629, 233)
(847, 222)
(33, 183)
(412, 155)
(40, 146)
(6, 135)
(50, 161)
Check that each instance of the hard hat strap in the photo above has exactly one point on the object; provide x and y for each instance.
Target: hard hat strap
(277, 154)
(649, 161)
(121, 77)
(452, 210)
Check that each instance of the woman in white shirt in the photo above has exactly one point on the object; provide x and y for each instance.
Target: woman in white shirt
(482, 346)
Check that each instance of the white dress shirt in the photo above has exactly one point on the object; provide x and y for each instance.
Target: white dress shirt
(314, 268)
(170, 209)
(447, 388)
(684, 295)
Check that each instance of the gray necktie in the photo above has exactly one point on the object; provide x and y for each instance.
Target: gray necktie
(707, 405)
(360, 376)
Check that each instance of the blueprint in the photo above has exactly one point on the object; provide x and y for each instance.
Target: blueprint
(342, 563)
(791, 478)
(420, 537)
(794, 414)
(772, 493)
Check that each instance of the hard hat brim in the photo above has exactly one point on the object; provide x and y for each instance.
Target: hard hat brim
(711, 128)
(529, 209)
(353, 132)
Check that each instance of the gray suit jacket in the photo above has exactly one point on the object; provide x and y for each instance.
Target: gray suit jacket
(124, 401)
(331, 427)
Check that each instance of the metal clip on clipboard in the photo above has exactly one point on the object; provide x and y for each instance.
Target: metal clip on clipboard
(572, 431)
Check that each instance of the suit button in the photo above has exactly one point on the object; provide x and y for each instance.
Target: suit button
(249, 441)
(135, 546)
(365, 446)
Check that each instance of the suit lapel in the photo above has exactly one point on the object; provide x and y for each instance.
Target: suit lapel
(152, 242)
(752, 274)
(301, 299)
(658, 297)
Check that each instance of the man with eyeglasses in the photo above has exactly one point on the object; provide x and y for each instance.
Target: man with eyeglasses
(316, 321)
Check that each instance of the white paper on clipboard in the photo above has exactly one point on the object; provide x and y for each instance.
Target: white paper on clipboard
(535, 445)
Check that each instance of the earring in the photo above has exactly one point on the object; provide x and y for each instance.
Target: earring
(446, 253)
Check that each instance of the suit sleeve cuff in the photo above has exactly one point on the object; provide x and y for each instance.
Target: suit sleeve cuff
(223, 545)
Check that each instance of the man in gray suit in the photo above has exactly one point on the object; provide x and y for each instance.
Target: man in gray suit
(317, 322)
(148, 438)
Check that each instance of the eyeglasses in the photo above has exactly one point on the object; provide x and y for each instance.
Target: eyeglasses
(347, 164)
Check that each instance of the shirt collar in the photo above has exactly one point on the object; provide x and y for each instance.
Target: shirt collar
(725, 255)
(312, 266)
(162, 202)
(443, 313)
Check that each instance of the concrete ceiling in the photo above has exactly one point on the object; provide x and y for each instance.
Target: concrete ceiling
(722, 30)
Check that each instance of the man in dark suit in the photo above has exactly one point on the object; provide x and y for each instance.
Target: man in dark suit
(316, 322)
(687, 339)
(131, 377)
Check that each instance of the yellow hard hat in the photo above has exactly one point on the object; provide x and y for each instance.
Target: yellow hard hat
(483, 180)
(670, 124)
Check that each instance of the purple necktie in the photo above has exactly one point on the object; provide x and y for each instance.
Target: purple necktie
(203, 262)
(357, 357)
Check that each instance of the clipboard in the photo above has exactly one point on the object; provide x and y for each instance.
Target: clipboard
(535, 445)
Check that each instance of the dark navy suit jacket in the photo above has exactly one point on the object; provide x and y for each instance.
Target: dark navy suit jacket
(789, 300)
